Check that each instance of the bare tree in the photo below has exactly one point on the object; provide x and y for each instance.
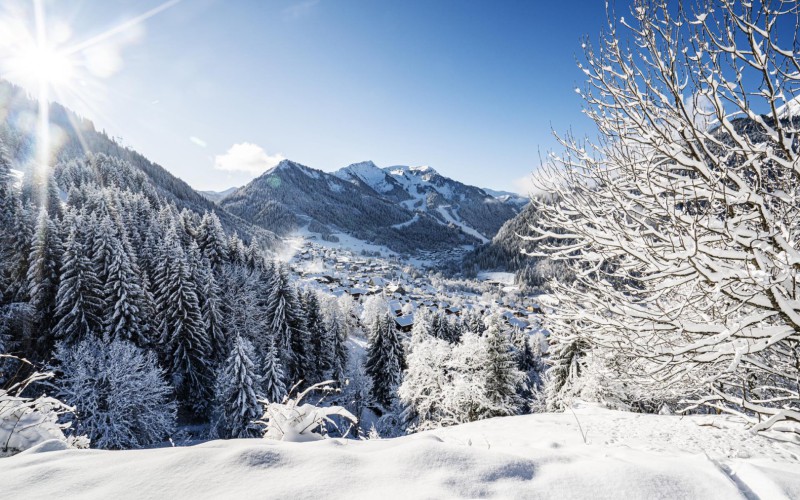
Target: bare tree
(682, 220)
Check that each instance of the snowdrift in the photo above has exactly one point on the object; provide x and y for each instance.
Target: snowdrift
(610, 455)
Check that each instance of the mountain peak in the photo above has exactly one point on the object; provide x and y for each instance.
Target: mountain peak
(415, 170)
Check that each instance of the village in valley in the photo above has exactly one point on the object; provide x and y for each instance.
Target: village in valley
(407, 288)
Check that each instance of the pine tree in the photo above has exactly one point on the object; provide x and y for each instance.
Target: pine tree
(124, 298)
(8, 206)
(104, 239)
(522, 348)
(503, 378)
(20, 252)
(422, 325)
(43, 274)
(237, 392)
(287, 326)
(273, 382)
(385, 361)
(319, 343)
(183, 339)
(209, 295)
(566, 357)
(212, 241)
(79, 298)
(337, 345)
(426, 382)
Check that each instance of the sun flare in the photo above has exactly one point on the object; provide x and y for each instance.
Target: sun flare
(44, 66)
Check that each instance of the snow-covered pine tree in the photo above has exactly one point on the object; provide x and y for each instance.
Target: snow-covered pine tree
(503, 378)
(425, 382)
(522, 350)
(124, 297)
(212, 241)
(385, 361)
(337, 343)
(422, 325)
(104, 239)
(8, 206)
(273, 384)
(235, 249)
(20, 252)
(209, 296)
(79, 300)
(43, 273)
(238, 392)
(287, 326)
(182, 337)
(436, 327)
(566, 360)
(319, 347)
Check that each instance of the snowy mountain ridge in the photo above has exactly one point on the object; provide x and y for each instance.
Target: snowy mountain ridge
(405, 208)
(217, 196)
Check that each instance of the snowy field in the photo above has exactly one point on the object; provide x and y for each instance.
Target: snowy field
(625, 456)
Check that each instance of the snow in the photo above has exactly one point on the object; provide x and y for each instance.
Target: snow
(298, 240)
(369, 174)
(18, 176)
(458, 222)
(499, 277)
(24, 426)
(625, 455)
(790, 109)
(218, 196)
(407, 223)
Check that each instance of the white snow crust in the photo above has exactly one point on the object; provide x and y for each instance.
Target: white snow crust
(593, 453)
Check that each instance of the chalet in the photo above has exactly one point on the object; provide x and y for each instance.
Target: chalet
(452, 310)
(396, 307)
(404, 323)
(376, 281)
(396, 288)
(356, 292)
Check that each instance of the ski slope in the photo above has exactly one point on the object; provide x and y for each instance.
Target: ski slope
(593, 453)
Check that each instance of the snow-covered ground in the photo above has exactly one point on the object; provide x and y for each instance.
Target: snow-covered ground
(624, 455)
(499, 277)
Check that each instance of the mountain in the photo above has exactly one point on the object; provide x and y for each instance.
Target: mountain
(79, 138)
(508, 197)
(406, 209)
(504, 252)
(791, 109)
(217, 196)
(292, 197)
(424, 190)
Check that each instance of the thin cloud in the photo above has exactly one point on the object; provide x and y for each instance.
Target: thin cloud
(200, 142)
(247, 157)
(299, 9)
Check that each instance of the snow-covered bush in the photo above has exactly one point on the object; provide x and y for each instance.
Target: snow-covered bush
(293, 420)
(449, 384)
(119, 392)
(682, 223)
(26, 422)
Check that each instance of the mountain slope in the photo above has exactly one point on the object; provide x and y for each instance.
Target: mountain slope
(79, 137)
(291, 196)
(423, 189)
(406, 209)
(217, 196)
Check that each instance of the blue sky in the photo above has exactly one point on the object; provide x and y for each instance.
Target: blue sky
(471, 88)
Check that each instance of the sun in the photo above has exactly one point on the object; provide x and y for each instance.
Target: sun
(44, 66)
